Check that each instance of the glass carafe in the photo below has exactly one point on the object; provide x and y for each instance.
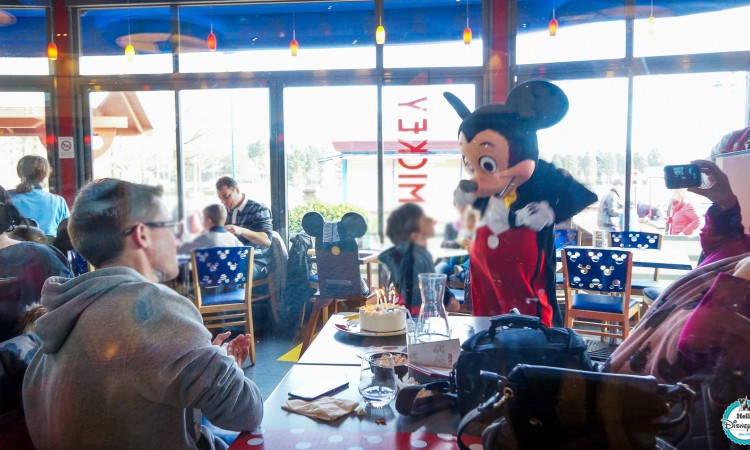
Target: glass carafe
(432, 324)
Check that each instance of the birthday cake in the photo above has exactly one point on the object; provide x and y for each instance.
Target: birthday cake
(382, 318)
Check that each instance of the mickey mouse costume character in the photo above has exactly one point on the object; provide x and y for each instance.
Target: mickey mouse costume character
(520, 197)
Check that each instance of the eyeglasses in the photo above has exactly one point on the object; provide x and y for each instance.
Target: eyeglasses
(176, 226)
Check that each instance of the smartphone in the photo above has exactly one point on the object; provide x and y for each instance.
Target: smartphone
(682, 176)
(314, 391)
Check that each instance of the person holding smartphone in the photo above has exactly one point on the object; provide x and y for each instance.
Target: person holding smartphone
(722, 235)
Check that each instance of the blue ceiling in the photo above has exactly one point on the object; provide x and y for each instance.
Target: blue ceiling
(265, 26)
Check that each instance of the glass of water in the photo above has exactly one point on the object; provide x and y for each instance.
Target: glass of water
(377, 379)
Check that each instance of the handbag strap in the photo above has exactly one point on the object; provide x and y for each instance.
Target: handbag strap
(490, 409)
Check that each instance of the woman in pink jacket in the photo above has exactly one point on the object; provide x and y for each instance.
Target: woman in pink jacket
(684, 219)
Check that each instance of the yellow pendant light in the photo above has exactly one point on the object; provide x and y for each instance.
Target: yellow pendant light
(380, 33)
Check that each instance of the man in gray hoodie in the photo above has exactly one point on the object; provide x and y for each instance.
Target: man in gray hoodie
(124, 360)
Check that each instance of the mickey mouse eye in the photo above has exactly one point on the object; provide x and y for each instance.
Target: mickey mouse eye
(487, 164)
(467, 165)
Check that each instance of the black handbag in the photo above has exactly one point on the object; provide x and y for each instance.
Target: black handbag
(513, 339)
(547, 407)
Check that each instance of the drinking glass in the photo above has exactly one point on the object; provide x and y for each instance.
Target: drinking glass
(377, 379)
(432, 324)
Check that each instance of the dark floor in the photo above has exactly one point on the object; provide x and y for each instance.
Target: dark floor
(270, 344)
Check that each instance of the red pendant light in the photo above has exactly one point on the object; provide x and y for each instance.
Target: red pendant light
(52, 51)
(553, 25)
(211, 38)
(211, 41)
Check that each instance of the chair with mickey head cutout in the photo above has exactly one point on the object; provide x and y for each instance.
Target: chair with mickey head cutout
(642, 241)
(338, 264)
(223, 280)
(597, 291)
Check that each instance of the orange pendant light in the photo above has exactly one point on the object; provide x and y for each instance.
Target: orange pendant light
(52, 51)
(553, 25)
(211, 41)
(467, 30)
(294, 45)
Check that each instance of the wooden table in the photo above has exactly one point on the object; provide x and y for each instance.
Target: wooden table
(334, 347)
(655, 259)
(333, 355)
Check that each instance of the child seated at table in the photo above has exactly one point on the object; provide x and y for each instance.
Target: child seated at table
(408, 227)
(214, 234)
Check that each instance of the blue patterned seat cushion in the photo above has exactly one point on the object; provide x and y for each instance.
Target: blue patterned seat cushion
(235, 296)
(600, 303)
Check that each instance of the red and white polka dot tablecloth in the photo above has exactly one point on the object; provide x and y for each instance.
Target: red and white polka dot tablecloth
(333, 439)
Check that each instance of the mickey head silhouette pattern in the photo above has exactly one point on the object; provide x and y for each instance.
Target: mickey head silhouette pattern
(597, 269)
(219, 266)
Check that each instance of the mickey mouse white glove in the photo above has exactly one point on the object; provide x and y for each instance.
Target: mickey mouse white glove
(535, 215)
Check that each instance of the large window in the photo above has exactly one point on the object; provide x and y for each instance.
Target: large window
(133, 138)
(224, 132)
(22, 131)
(697, 31)
(257, 37)
(422, 161)
(590, 140)
(23, 42)
(430, 33)
(106, 33)
(586, 31)
(330, 139)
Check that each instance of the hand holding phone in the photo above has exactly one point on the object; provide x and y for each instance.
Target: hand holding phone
(316, 390)
(683, 176)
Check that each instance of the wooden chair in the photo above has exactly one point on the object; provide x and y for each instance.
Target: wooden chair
(223, 280)
(597, 288)
(565, 237)
(78, 265)
(644, 241)
(338, 264)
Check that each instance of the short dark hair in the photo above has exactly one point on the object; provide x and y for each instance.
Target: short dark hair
(29, 234)
(9, 217)
(227, 181)
(103, 209)
(403, 221)
(216, 213)
(32, 170)
(4, 196)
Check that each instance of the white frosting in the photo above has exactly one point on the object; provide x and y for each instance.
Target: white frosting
(380, 319)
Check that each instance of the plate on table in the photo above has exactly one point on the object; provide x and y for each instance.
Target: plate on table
(351, 326)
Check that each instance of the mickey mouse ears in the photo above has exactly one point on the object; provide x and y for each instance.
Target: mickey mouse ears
(539, 103)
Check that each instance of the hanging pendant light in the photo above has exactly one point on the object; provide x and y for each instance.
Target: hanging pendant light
(467, 30)
(380, 33)
(211, 38)
(211, 41)
(651, 21)
(294, 45)
(52, 51)
(129, 49)
(553, 24)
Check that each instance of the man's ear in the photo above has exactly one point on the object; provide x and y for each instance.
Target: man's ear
(139, 237)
